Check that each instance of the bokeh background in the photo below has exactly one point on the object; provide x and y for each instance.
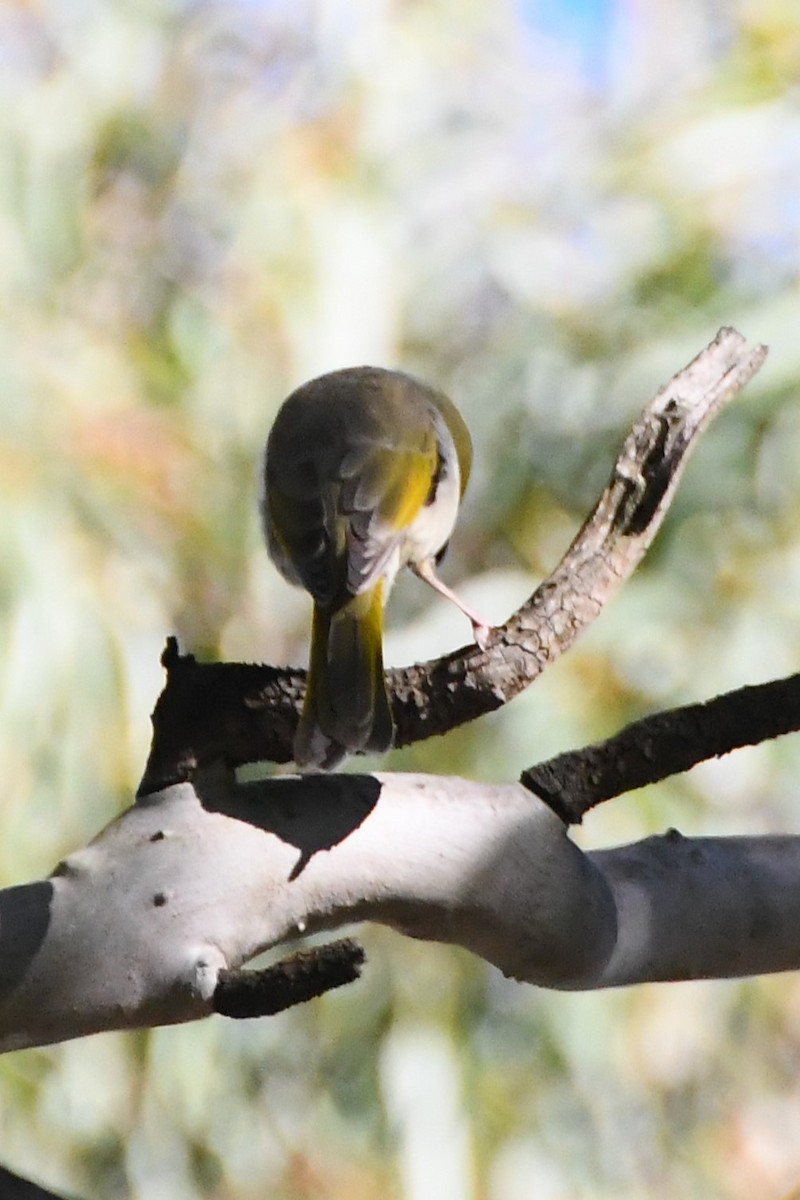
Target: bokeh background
(546, 208)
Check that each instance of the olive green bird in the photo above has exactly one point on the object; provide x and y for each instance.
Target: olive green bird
(363, 474)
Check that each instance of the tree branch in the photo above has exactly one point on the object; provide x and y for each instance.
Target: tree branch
(295, 980)
(144, 926)
(14, 1187)
(245, 713)
(665, 744)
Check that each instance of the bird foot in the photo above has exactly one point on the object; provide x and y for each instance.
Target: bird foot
(481, 630)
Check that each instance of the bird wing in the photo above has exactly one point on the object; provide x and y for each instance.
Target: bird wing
(381, 499)
(338, 508)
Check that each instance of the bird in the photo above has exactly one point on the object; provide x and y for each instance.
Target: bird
(363, 473)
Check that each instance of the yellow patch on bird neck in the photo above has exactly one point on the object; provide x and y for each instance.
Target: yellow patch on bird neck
(410, 487)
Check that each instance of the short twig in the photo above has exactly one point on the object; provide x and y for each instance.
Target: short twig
(294, 980)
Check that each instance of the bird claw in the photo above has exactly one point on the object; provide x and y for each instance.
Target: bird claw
(482, 633)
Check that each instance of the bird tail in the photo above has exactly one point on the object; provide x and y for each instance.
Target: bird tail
(346, 707)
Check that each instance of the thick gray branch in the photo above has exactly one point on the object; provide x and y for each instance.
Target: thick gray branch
(136, 928)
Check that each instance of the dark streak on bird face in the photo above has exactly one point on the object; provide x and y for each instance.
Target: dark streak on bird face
(438, 476)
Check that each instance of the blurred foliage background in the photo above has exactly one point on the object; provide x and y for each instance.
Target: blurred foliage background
(546, 208)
